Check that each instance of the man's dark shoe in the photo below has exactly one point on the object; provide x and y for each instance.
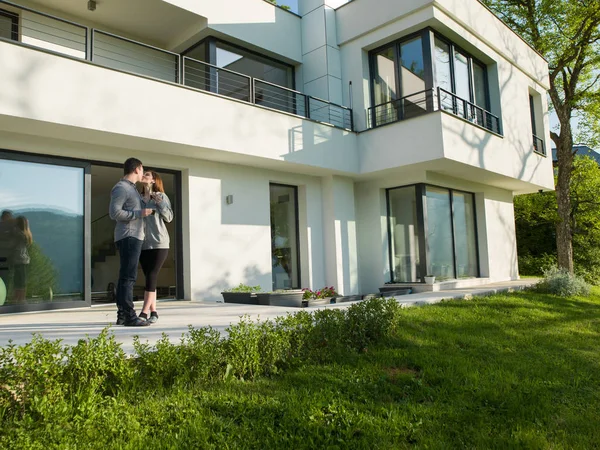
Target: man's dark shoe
(137, 322)
(120, 318)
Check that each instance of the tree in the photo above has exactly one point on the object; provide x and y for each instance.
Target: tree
(567, 33)
(536, 217)
(287, 8)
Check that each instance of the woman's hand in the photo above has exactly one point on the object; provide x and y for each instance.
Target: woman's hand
(156, 197)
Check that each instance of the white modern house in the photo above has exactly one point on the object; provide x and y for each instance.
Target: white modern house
(353, 144)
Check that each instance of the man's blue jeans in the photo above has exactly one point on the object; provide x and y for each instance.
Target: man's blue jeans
(129, 254)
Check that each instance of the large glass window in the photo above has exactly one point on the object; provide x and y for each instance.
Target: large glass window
(439, 233)
(432, 231)
(384, 80)
(403, 223)
(41, 233)
(284, 237)
(403, 70)
(465, 237)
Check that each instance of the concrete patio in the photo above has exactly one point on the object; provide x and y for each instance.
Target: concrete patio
(175, 316)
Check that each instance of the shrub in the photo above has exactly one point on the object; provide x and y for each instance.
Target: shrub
(561, 282)
(243, 288)
(536, 265)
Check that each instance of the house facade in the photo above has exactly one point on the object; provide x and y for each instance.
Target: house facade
(352, 144)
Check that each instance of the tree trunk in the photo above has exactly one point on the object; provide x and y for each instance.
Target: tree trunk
(564, 234)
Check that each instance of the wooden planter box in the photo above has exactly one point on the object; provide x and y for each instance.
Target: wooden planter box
(291, 298)
(245, 298)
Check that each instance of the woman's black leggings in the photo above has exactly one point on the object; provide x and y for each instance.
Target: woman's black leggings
(152, 261)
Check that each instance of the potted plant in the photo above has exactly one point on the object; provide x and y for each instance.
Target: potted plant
(283, 297)
(429, 279)
(241, 294)
(323, 296)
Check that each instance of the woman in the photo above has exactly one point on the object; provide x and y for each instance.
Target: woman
(22, 239)
(156, 241)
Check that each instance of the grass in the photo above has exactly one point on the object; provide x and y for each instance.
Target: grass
(507, 371)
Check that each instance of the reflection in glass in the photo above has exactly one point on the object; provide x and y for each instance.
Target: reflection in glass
(443, 72)
(461, 82)
(480, 86)
(404, 234)
(253, 65)
(385, 85)
(41, 232)
(413, 78)
(284, 237)
(439, 233)
(464, 232)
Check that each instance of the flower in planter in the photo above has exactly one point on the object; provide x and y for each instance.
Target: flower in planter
(321, 293)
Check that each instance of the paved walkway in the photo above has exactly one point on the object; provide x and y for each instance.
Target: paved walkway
(175, 316)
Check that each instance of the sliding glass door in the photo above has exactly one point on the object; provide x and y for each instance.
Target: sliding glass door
(42, 229)
(432, 231)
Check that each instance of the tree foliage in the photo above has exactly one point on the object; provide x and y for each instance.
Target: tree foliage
(567, 33)
(536, 217)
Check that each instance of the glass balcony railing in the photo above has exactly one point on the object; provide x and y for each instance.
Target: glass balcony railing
(32, 28)
(428, 101)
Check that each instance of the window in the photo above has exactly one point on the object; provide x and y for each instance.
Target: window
(538, 143)
(399, 81)
(9, 25)
(41, 233)
(405, 75)
(432, 231)
(284, 237)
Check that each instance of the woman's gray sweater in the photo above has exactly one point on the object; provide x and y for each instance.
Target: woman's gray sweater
(155, 231)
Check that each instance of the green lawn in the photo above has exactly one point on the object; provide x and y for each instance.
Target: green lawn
(508, 371)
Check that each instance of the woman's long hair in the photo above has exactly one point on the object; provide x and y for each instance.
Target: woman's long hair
(23, 226)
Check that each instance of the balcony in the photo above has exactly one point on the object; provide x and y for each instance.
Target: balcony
(429, 101)
(56, 35)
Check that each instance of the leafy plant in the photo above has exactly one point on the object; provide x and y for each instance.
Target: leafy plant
(561, 282)
(243, 288)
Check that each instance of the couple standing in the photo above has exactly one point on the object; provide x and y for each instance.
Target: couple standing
(140, 235)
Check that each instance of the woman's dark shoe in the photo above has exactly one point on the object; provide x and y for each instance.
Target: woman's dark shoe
(143, 315)
(137, 322)
(153, 317)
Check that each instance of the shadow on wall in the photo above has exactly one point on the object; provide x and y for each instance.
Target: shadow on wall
(316, 144)
(252, 276)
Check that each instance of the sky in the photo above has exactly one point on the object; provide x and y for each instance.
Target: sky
(25, 185)
(293, 4)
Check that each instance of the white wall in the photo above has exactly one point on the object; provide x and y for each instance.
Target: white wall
(181, 120)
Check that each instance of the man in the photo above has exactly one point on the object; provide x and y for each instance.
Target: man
(127, 208)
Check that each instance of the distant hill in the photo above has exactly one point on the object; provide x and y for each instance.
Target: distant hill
(59, 235)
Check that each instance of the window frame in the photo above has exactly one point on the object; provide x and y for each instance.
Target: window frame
(14, 17)
(428, 36)
(211, 54)
(422, 226)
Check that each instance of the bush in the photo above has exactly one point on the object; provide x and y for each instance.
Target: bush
(561, 282)
(536, 265)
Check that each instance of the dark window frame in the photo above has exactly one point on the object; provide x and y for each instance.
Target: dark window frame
(422, 226)
(428, 36)
(296, 212)
(14, 17)
(86, 164)
(211, 54)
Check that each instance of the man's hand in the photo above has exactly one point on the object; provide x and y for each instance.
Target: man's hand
(146, 212)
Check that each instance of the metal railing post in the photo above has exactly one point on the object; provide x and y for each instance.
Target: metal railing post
(307, 106)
